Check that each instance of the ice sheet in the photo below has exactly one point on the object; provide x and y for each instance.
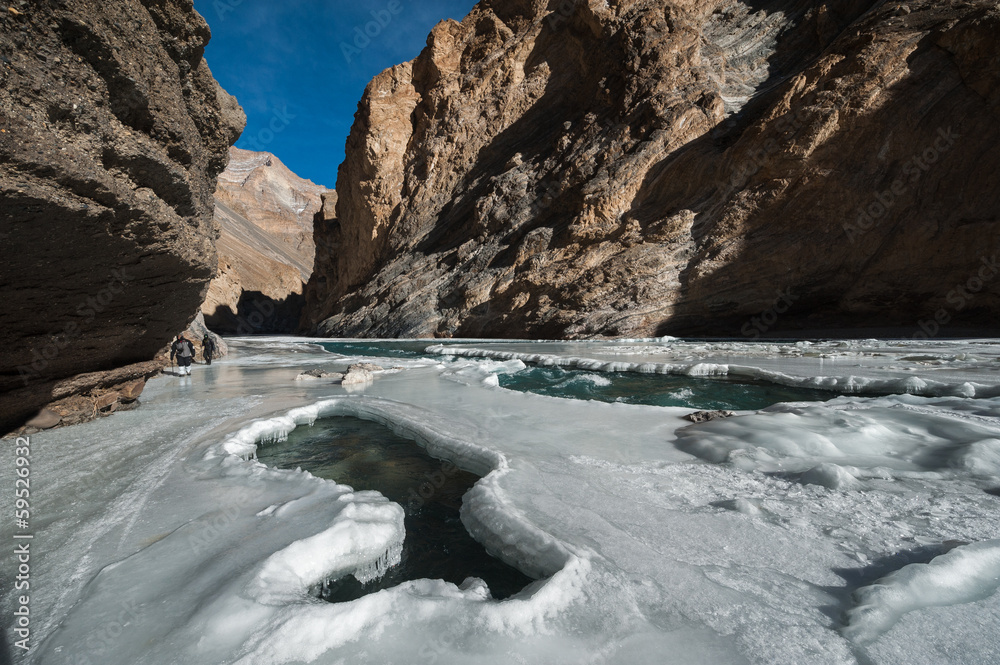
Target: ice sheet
(161, 540)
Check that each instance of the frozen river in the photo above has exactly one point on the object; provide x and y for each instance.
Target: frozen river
(856, 523)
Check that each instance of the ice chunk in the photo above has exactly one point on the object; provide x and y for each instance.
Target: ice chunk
(835, 444)
(966, 574)
(365, 540)
(981, 458)
(741, 505)
(831, 476)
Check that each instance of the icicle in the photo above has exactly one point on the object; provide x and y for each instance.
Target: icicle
(379, 567)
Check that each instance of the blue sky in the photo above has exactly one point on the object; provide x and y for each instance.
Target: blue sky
(297, 69)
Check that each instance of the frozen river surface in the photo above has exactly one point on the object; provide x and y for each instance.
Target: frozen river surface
(862, 529)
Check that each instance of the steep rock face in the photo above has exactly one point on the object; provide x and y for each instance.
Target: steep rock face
(112, 133)
(326, 235)
(640, 167)
(265, 216)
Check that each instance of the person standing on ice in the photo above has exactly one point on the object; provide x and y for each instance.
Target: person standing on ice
(208, 349)
(183, 350)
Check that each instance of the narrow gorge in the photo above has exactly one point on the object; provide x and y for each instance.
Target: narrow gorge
(627, 332)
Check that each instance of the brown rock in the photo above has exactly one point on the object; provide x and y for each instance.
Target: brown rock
(46, 419)
(196, 332)
(75, 410)
(89, 396)
(113, 133)
(106, 401)
(112, 379)
(706, 416)
(316, 374)
(644, 167)
(130, 391)
(265, 214)
(326, 236)
(258, 187)
(367, 367)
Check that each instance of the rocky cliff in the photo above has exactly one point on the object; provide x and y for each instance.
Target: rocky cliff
(265, 216)
(112, 134)
(561, 168)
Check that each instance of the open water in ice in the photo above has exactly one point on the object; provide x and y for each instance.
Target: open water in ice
(381, 348)
(369, 456)
(656, 389)
(623, 387)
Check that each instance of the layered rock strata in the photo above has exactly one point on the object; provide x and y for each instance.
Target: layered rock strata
(639, 167)
(265, 216)
(88, 396)
(112, 134)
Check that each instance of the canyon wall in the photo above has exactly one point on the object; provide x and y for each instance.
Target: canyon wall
(265, 217)
(560, 168)
(112, 134)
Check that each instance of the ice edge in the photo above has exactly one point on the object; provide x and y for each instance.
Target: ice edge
(485, 512)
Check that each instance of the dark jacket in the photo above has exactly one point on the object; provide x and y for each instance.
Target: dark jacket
(182, 348)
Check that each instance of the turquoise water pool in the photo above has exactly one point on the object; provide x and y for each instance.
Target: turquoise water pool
(656, 389)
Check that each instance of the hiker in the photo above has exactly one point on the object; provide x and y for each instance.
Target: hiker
(183, 349)
(208, 349)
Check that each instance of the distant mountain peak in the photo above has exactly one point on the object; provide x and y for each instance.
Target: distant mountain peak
(265, 216)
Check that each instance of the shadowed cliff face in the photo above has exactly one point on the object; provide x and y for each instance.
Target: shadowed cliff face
(112, 133)
(571, 169)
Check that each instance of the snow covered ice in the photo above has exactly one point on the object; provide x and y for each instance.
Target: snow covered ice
(859, 530)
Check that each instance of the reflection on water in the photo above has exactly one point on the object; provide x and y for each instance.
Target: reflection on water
(657, 389)
(368, 456)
